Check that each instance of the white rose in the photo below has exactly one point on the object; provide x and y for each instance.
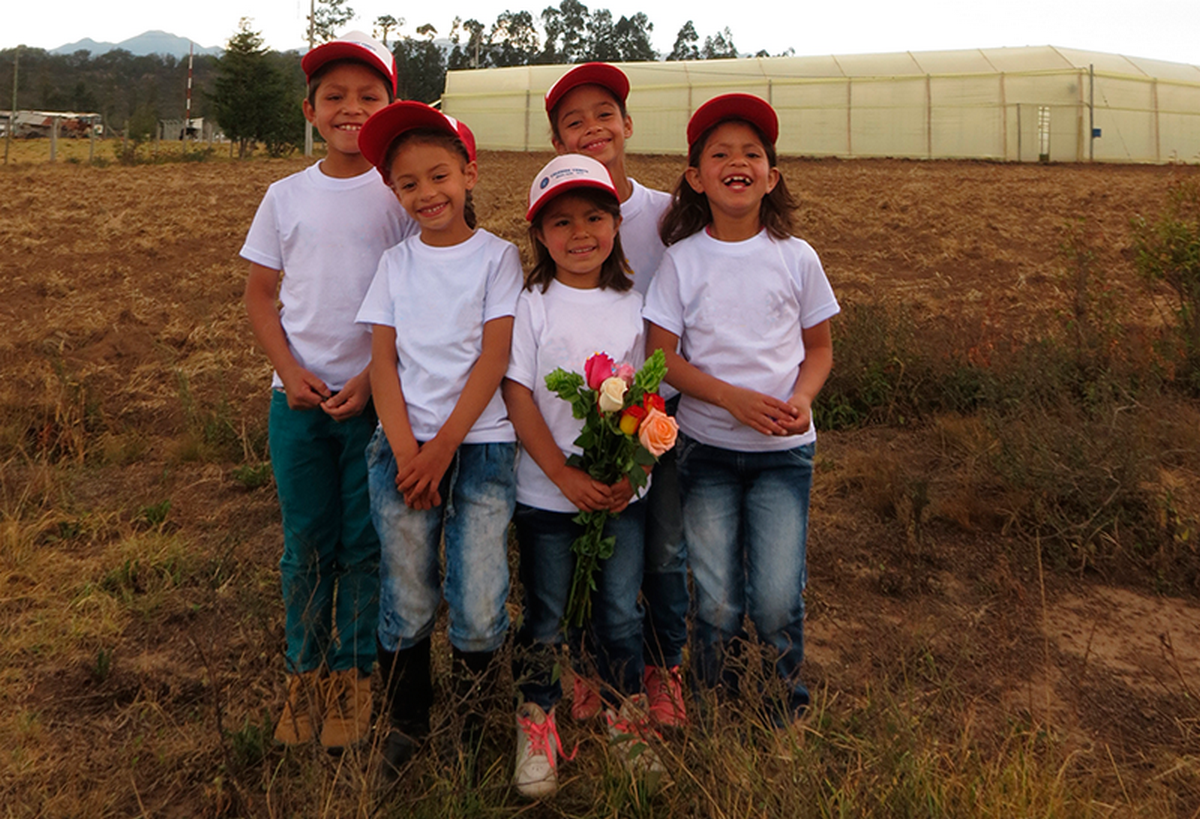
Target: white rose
(612, 394)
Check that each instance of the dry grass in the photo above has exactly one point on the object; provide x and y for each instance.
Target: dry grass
(139, 604)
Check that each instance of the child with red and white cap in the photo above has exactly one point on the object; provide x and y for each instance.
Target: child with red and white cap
(588, 115)
(741, 309)
(441, 312)
(578, 299)
(316, 241)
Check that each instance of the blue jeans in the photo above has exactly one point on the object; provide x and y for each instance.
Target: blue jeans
(746, 522)
(547, 565)
(478, 493)
(328, 540)
(665, 581)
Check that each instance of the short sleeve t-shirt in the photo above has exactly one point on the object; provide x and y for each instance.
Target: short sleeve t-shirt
(563, 327)
(640, 215)
(438, 299)
(326, 235)
(739, 309)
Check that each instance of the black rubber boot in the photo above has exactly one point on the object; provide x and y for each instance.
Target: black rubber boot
(475, 675)
(408, 697)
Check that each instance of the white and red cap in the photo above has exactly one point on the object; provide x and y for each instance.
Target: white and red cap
(353, 45)
(755, 110)
(381, 130)
(602, 74)
(565, 173)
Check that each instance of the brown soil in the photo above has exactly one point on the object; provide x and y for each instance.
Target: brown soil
(128, 362)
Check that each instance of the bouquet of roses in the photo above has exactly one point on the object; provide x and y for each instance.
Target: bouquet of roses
(625, 429)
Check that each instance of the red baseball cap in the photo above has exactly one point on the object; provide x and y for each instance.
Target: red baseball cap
(381, 130)
(353, 45)
(755, 110)
(606, 76)
(564, 173)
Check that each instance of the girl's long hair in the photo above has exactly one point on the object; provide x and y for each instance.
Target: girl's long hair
(615, 273)
(690, 212)
(430, 136)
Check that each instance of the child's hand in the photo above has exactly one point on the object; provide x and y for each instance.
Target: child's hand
(418, 479)
(581, 489)
(351, 400)
(762, 413)
(304, 390)
(622, 495)
(799, 424)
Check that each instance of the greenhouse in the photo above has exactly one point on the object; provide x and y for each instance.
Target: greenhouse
(1025, 104)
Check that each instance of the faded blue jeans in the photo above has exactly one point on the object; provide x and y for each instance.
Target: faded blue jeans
(745, 518)
(330, 564)
(478, 493)
(547, 566)
(664, 583)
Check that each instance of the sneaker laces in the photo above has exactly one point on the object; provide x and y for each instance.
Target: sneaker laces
(540, 736)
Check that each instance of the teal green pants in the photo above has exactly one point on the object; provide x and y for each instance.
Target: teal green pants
(330, 565)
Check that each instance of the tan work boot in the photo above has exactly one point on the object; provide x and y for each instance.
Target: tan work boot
(302, 711)
(347, 718)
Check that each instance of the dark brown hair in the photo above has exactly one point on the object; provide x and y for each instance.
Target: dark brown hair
(558, 107)
(615, 273)
(690, 212)
(315, 80)
(432, 136)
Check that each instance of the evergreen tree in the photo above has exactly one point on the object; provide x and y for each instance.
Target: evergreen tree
(632, 36)
(719, 46)
(601, 42)
(386, 23)
(685, 44)
(251, 96)
(328, 19)
(420, 67)
(514, 40)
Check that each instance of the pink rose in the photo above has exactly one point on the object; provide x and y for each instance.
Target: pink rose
(597, 369)
(658, 432)
(625, 371)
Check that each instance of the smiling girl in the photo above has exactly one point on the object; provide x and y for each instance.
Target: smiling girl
(441, 464)
(578, 299)
(741, 309)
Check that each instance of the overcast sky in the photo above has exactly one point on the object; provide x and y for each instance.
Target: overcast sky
(1160, 29)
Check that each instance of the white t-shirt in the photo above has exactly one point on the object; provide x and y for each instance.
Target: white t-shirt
(438, 299)
(738, 309)
(640, 215)
(563, 327)
(326, 235)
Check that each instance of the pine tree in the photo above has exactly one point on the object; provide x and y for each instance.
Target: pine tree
(251, 95)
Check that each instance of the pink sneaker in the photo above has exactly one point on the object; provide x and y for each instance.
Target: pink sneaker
(585, 699)
(664, 690)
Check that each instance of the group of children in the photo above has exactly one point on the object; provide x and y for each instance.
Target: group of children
(408, 333)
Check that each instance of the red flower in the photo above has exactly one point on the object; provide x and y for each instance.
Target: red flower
(597, 368)
(653, 400)
(631, 419)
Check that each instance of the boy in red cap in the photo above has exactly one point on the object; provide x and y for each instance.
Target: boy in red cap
(321, 233)
(588, 116)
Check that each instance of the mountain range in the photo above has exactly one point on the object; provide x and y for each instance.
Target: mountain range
(149, 42)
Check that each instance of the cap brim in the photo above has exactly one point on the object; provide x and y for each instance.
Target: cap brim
(388, 123)
(566, 187)
(343, 50)
(755, 110)
(602, 74)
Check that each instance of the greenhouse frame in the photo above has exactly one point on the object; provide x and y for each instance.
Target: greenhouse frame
(1029, 104)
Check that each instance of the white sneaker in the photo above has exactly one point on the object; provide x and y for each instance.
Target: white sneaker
(538, 745)
(630, 734)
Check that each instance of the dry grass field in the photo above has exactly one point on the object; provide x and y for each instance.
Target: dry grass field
(984, 640)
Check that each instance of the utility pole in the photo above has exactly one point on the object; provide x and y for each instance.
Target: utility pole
(12, 114)
(312, 13)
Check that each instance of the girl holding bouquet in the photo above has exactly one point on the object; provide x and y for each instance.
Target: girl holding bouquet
(578, 299)
(741, 309)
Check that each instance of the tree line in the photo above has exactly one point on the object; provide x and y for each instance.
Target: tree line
(253, 92)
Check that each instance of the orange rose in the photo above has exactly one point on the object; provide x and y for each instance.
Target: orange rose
(658, 432)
